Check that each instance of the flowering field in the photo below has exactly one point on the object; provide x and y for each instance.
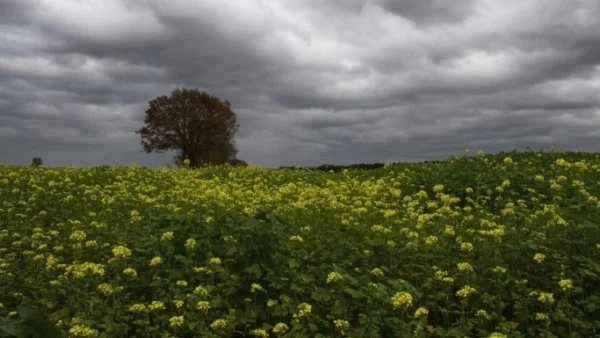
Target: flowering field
(499, 246)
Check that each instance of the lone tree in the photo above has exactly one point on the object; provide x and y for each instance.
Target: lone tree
(199, 126)
(36, 161)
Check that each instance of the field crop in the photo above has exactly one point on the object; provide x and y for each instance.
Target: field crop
(483, 246)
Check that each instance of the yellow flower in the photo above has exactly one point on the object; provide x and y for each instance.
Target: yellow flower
(215, 261)
(130, 272)
(466, 246)
(466, 291)
(218, 324)
(566, 284)
(482, 314)
(438, 188)
(190, 243)
(402, 300)
(82, 331)
(499, 269)
(176, 321)
(156, 306)
(280, 328)
(508, 161)
(561, 162)
(422, 311)
(85, 269)
(296, 239)
(542, 317)
(333, 277)
(256, 287)
(546, 297)
(181, 283)
(260, 333)
(341, 325)
(167, 236)
(155, 261)
(51, 262)
(302, 310)
(538, 257)
(178, 303)
(106, 289)
(465, 267)
(200, 291)
(90, 244)
(121, 251)
(78, 236)
(497, 335)
(377, 272)
(134, 215)
(431, 240)
(203, 305)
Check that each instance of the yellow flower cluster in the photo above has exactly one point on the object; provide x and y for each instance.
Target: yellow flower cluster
(465, 267)
(342, 325)
(167, 236)
(176, 321)
(78, 236)
(85, 269)
(421, 312)
(138, 308)
(303, 310)
(121, 251)
(280, 328)
(546, 297)
(200, 291)
(431, 240)
(82, 331)
(566, 284)
(539, 257)
(190, 243)
(333, 277)
(106, 289)
(130, 272)
(262, 333)
(156, 261)
(219, 324)
(497, 335)
(466, 291)
(483, 314)
(466, 246)
(215, 261)
(402, 300)
(296, 238)
(256, 287)
(203, 305)
(377, 272)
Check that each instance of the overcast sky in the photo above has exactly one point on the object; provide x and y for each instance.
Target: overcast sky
(311, 81)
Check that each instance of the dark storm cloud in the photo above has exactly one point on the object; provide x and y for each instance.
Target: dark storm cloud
(432, 12)
(312, 82)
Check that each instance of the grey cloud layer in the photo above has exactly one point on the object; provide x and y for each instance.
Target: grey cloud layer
(312, 81)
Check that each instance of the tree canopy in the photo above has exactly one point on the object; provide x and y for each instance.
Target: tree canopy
(201, 127)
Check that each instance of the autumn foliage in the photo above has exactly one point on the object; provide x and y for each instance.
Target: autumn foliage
(199, 126)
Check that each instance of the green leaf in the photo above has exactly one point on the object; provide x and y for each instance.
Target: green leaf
(293, 263)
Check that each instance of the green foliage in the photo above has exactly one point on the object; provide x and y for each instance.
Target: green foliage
(506, 244)
(27, 323)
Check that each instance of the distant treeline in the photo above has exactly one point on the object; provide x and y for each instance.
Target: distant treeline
(338, 168)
